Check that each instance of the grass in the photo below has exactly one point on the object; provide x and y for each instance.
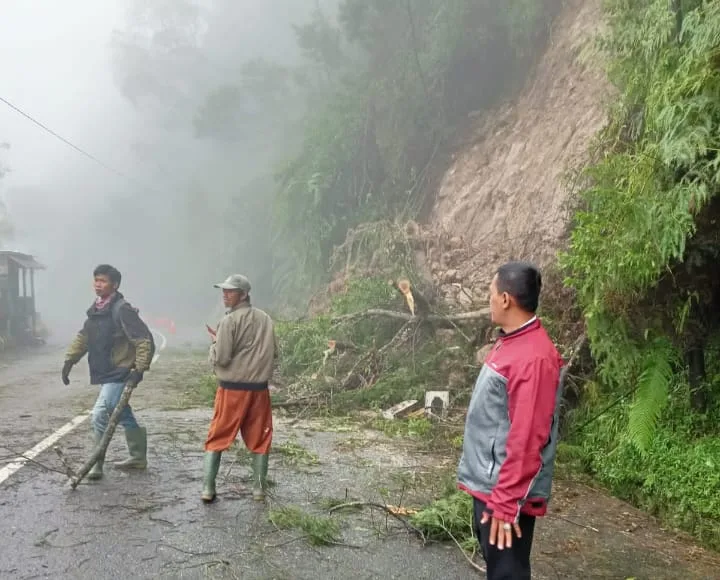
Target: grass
(205, 388)
(317, 530)
(413, 427)
(199, 389)
(295, 454)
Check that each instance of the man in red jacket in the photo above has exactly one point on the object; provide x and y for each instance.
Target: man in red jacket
(511, 427)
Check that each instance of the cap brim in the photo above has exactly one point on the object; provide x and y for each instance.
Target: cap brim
(224, 286)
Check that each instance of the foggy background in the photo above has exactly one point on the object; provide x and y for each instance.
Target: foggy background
(162, 92)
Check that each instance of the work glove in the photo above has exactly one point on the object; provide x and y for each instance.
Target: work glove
(134, 378)
(66, 372)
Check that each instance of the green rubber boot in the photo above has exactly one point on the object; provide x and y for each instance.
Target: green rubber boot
(137, 447)
(260, 469)
(211, 467)
(96, 472)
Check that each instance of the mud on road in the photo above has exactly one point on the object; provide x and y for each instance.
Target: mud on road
(153, 525)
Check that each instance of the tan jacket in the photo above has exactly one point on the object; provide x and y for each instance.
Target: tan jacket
(244, 349)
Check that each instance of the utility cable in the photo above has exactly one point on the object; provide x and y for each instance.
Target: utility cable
(70, 144)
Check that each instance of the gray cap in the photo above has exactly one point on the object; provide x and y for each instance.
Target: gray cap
(235, 282)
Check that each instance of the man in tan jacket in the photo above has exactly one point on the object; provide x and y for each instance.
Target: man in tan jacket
(243, 351)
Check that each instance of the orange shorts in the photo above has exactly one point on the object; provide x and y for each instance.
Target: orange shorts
(246, 412)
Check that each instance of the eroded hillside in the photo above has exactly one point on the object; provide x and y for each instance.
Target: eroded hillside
(506, 194)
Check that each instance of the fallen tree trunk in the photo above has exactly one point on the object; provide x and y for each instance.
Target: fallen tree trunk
(483, 313)
(77, 477)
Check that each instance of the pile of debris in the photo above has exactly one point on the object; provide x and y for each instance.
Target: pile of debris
(361, 347)
(431, 305)
(436, 406)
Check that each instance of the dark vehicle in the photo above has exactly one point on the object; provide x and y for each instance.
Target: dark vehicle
(18, 318)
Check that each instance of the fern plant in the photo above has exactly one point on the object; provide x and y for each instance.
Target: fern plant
(652, 393)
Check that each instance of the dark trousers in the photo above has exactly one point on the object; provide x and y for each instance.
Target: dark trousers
(505, 564)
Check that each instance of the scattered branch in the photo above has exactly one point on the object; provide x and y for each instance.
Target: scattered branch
(20, 456)
(456, 327)
(286, 542)
(207, 563)
(386, 509)
(188, 552)
(480, 569)
(66, 463)
(573, 522)
(398, 338)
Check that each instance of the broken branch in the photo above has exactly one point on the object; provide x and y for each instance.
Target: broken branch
(483, 313)
(577, 347)
(578, 524)
(387, 509)
(477, 567)
(100, 450)
(22, 458)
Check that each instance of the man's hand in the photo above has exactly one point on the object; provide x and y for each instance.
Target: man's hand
(66, 372)
(212, 333)
(501, 531)
(134, 378)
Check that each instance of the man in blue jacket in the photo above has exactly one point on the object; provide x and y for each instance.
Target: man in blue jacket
(511, 426)
(120, 350)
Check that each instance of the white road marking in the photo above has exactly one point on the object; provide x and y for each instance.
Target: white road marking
(49, 441)
(45, 444)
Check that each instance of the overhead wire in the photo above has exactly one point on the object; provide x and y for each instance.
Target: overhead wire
(67, 142)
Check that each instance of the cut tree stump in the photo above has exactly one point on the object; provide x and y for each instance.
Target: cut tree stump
(77, 477)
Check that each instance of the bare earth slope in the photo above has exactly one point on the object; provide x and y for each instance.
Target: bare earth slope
(505, 193)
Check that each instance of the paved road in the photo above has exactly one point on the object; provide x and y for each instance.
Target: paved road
(152, 525)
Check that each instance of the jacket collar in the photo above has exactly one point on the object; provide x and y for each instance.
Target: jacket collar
(529, 326)
(240, 306)
(95, 311)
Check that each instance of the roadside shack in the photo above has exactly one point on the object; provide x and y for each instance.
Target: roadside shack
(18, 317)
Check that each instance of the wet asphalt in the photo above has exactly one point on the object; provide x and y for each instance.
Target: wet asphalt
(152, 524)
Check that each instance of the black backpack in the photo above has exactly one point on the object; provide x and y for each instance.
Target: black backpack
(117, 305)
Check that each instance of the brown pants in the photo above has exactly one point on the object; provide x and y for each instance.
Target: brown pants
(247, 412)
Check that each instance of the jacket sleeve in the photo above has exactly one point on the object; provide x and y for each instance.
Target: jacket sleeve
(138, 334)
(531, 408)
(221, 352)
(78, 348)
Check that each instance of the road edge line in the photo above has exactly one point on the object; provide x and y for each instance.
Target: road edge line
(10, 469)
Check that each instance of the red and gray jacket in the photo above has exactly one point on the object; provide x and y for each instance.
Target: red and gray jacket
(511, 428)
